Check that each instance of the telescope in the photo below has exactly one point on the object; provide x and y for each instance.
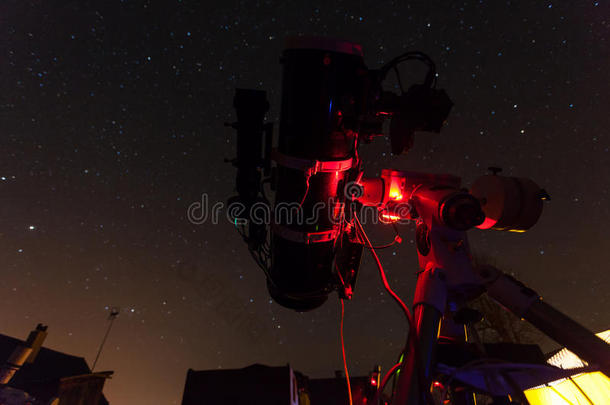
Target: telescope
(312, 243)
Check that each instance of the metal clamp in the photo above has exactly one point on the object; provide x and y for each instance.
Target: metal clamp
(305, 237)
(311, 167)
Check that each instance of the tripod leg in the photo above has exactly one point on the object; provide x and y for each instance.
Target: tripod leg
(528, 305)
(456, 332)
(428, 306)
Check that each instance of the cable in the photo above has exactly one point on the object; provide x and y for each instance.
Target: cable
(430, 76)
(397, 239)
(408, 56)
(413, 340)
(387, 245)
(349, 387)
(399, 360)
(384, 382)
(463, 367)
(400, 302)
(307, 177)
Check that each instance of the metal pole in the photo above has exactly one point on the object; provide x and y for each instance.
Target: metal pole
(428, 305)
(527, 304)
(570, 334)
(111, 318)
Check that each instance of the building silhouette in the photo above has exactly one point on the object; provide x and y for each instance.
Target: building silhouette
(264, 385)
(47, 374)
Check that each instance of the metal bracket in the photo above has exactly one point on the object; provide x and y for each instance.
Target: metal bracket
(311, 167)
(305, 237)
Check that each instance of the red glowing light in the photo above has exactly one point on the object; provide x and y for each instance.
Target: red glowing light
(488, 223)
(390, 217)
(395, 192)
(373, 381)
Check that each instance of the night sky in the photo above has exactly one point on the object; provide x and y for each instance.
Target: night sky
(111, 125)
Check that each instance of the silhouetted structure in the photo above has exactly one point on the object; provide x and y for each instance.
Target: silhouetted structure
(258, 384)
(333, 391)
(51, 374)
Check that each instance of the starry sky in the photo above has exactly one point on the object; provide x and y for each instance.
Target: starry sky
(111, 125)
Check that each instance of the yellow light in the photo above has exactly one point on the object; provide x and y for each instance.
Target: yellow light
(584, 388)
(390, 217)
(570, 391)
(395, 192)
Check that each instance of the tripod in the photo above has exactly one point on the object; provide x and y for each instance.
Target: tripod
(447, 280)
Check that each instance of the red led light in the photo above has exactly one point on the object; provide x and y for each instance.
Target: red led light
(395, 194)
(488, 223)
(395, 191)
(373, 381)
(389, 218)
(437, 384)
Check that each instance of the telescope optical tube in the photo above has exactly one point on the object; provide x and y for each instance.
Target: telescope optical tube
(322, 96)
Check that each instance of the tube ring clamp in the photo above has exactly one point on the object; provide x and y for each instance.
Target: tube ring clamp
(305, 237)
(311, 167)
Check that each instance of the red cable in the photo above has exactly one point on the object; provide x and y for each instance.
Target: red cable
(383, 277)
(400, 302)
(349, 388)
(384, 382)
(387, 376)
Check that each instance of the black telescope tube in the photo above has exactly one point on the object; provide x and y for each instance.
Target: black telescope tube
(321, 95)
